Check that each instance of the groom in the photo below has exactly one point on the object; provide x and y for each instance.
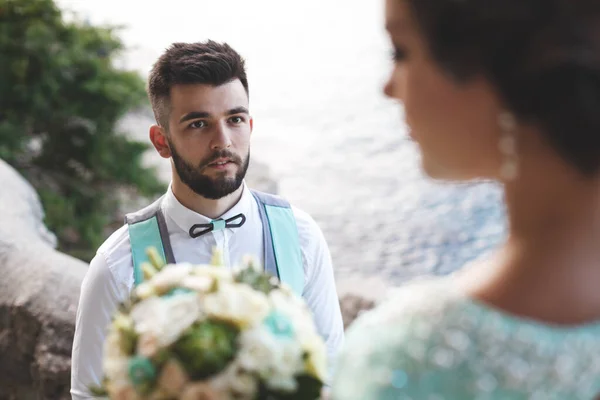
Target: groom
(199, 95)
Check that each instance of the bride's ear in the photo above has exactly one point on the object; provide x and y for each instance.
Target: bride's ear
(159, 140)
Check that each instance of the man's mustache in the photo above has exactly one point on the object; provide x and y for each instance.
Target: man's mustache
(221, 154)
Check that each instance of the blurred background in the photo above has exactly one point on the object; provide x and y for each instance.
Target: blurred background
(73, 108)
(74, 153)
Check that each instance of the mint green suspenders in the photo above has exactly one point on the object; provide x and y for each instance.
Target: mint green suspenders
(282, 254)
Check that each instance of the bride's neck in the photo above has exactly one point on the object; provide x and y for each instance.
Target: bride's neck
(554, 206)
(549, 268)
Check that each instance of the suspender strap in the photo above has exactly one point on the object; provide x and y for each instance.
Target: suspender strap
(269, 251)
(147, 228)
(283, 257)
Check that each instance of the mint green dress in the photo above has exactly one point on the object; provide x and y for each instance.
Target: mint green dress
(430, 342)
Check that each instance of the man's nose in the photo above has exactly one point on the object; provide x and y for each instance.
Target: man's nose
(221, 137)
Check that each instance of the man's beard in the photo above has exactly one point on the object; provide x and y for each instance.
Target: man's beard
(205, 186)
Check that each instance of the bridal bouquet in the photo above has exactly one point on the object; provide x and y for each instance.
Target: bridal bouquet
(206, 332)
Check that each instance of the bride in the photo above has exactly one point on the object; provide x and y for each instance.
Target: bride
(507, 90)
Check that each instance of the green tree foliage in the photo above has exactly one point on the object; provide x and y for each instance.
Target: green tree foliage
(61, 97)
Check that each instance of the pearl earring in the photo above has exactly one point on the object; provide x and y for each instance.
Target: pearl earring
(508, 146)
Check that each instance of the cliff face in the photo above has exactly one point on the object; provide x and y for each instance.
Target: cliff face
(39, 290)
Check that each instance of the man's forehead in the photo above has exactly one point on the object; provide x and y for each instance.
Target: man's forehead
(209, 98)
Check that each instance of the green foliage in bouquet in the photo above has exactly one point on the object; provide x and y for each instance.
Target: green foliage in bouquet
(256, 279)
(61, 96)
(206, 348)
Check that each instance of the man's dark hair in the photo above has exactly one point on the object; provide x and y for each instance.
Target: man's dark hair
(208, 62)
(542, 56)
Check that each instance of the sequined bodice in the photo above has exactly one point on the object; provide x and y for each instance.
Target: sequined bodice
(428, 342)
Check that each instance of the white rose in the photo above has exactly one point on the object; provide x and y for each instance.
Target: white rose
(258, 350)
(265, 354)
(170, 276)
(166, 318)
(276, 361)
(291, 361)
(297, 313)
(197, 283)
(182, 311)
(304, 328)
(146, 314)
(290, 305)
(237, 303)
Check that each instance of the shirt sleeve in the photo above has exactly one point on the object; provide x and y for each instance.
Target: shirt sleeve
(320, 292)
(100, 296)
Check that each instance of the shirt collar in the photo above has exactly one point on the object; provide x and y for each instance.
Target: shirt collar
(185, 218)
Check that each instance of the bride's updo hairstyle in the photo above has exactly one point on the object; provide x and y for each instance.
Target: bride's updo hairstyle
(542, 56)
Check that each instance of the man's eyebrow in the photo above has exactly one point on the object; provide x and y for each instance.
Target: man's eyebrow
(238, 110)
(194, 115)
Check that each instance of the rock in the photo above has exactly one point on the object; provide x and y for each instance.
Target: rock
(359, 293)
(352, 306)
(23, 213)
(39, 291)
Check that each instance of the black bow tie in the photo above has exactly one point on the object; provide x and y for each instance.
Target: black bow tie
(217, 225)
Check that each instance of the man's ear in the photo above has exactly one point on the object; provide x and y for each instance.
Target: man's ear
(251, 125)
(158, 137)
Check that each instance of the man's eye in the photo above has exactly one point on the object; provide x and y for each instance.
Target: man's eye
(237, 120)
(198, 124)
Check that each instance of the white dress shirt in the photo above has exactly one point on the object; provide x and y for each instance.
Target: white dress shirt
(109, 279)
